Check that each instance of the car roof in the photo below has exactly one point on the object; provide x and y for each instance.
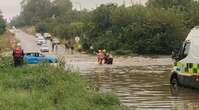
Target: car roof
(45, 45)
(41, 39)
(32, 52)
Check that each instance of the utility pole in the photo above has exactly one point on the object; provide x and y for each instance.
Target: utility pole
(132, 3)
(80, 5)
(140, 2)
(124, 2)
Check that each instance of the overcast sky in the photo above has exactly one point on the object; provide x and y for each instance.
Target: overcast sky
(11, 8)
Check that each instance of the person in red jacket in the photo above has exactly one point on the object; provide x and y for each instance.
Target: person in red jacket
(18, 55)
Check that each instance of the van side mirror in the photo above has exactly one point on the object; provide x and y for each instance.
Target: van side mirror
(183, 51)
(175, 56)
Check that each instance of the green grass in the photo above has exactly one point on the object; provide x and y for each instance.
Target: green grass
(45, 87)
(5, 41)
(29, 29)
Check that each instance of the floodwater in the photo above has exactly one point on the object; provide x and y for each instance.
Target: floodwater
(143, 88)
(141, 82)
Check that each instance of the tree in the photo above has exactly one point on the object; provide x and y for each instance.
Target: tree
(188, 9)
(61, 7)
(35, 11)
(166, 4)
(76, 28)
(102, 16)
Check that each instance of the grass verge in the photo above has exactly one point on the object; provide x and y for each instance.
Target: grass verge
(45, 87)
(5, 41)
(29, 29)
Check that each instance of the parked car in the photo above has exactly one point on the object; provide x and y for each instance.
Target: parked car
(56, 41)
(47, 35)
(38, 35)
(40, 40)
(37, 58)
(44, 48)
(14, 28)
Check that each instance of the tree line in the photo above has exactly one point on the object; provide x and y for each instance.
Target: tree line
(2, 24)
(159, 27)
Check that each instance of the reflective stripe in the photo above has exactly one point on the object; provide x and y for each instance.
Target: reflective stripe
(178, 64)
(195, 65)
(188, 68)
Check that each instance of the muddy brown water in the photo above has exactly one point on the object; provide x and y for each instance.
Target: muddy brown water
(138, 85)
(143, 88)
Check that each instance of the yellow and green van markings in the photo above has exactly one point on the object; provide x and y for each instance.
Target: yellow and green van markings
(188, 68)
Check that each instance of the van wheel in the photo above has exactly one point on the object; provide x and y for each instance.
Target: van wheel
(174, 82)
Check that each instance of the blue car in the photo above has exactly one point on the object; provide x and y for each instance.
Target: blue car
(37, 58)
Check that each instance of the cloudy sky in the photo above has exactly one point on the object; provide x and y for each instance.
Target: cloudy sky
(11, 8)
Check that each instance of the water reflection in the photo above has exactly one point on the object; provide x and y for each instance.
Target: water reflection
(144, 88)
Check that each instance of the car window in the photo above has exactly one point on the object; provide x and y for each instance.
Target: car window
(41, 55)
(30, 54)
(36, 54)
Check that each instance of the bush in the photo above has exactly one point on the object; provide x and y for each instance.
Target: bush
(122, 52)
(105, 99)
(5, 46)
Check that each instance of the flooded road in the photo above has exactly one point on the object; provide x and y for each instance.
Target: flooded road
(141, 82)
(144, 88)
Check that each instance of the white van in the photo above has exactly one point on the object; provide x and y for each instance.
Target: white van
(186, 70)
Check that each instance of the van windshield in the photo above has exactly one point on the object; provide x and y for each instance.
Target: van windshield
(184, 50)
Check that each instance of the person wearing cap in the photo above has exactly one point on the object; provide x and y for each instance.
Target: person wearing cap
(18, 55)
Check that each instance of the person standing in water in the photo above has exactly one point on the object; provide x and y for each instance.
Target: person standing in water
(71, 46)
(100, 57)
